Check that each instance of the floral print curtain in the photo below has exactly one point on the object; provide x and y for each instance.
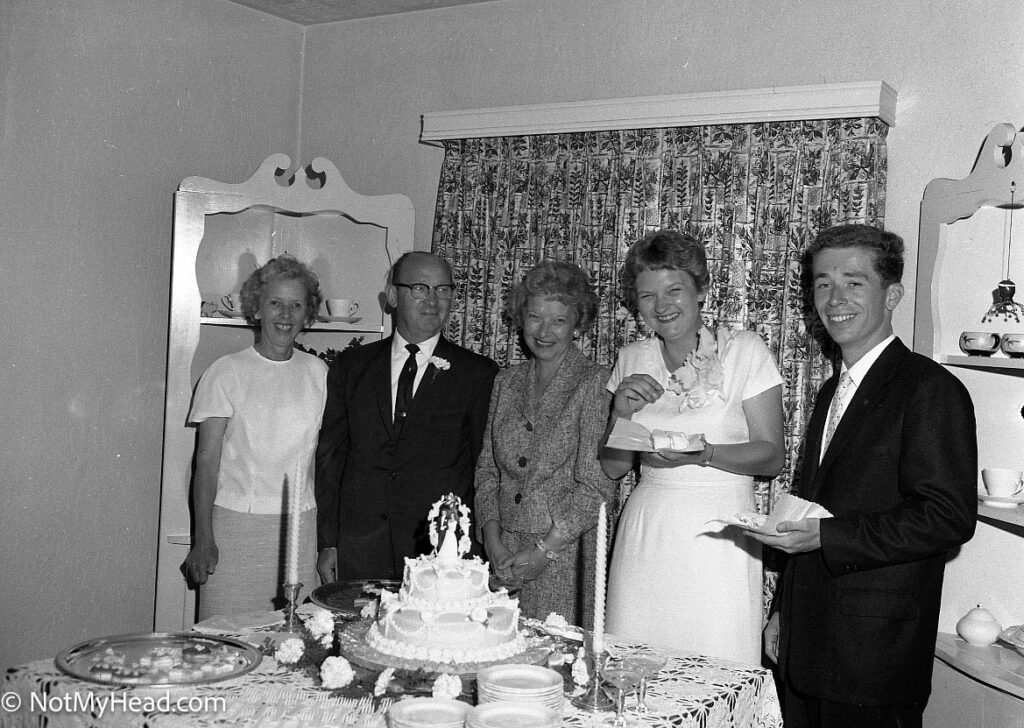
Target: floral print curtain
(755, 194)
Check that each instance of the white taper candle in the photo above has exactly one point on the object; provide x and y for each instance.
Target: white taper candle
(291, 575)
(600, 579)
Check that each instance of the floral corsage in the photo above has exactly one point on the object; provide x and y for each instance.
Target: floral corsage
(699, 380)
(439, 363)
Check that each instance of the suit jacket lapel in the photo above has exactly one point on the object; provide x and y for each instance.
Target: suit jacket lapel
(381, 378)
(815, 434)
(565, 379)
(870, 391)
(431, 381)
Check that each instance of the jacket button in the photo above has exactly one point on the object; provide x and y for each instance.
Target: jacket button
(392, 476)
(383, 516)
(519, 498)
(522, 462)
(529, 427)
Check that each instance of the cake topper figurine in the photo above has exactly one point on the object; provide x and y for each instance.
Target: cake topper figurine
(447, 516)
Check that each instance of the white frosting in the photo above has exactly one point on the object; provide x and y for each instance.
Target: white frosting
(667, 440)
(445, 612)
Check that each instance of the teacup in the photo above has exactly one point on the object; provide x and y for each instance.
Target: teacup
(978, 343)
(1002, 482)
(1012, 344)
(342, 307)
(232, 301)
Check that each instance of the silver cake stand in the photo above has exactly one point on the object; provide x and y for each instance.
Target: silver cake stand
(352, 645)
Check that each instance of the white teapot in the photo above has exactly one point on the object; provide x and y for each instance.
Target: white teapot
(979, 627)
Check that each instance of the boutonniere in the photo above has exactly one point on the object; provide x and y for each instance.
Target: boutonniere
(700, 378)
(439, 363)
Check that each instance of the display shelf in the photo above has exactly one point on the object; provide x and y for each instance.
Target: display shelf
(319, 326)
(980, 362)
(1009, 519)
(222, 232)
(998, 169)
(998, 665)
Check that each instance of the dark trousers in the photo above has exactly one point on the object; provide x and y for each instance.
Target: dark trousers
(806, 711)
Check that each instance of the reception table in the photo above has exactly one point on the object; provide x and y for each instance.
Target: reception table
(692, 691)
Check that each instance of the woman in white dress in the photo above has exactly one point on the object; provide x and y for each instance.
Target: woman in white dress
(259, 413)
(676, 580)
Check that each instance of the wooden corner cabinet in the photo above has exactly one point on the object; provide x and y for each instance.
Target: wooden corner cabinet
(971, 241)
(965, 251)
(222, 233)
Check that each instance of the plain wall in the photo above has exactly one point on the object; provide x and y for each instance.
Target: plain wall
(105, 106)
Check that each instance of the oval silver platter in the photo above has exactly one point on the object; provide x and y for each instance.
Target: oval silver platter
(349, 597)
(91, 660)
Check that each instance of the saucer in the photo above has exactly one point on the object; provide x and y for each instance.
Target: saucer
(230, 313)
(333, 319)
(998, 501)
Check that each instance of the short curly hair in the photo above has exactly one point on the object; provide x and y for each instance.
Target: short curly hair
(282, 268)
(663, 250)
(887, 247)
(561, 280)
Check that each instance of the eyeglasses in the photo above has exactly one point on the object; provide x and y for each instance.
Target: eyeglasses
(420, 290)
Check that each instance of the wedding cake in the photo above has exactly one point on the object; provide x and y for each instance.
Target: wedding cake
(444, 611)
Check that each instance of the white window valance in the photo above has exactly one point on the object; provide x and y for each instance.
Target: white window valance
(784, 103)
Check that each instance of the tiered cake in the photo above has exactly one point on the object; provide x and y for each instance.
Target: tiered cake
(444, 611)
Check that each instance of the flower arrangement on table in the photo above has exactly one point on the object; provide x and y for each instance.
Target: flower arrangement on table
(311, 652)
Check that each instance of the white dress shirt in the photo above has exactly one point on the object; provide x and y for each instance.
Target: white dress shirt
(857, 373)
(399, 355)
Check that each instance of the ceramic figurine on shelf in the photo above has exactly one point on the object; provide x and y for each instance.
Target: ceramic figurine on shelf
(979, 627)
(1004, 305)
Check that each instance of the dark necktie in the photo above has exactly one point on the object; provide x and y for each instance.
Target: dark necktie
(405, 380)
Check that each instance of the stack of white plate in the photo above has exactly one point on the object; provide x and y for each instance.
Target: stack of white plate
(520, 684)
(504, 714)
(422, 712)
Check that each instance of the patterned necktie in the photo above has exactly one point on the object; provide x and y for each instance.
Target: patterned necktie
(405, 380)
(835, 412)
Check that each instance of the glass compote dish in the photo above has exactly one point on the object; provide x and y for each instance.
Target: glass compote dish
(648, 664)
(624, 678)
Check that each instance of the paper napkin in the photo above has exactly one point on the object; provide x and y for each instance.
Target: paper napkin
(629, 435)
(788, 507)
(239, 623)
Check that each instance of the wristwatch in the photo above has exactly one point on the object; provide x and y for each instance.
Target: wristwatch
(706, 460)
(549, 554)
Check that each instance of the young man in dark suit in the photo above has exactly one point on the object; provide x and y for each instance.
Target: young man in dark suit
(891, 452)
(403, 426)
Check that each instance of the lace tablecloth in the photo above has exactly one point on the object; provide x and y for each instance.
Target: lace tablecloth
(690, 692)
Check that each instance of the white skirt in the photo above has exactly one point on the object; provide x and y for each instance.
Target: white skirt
(677, 581)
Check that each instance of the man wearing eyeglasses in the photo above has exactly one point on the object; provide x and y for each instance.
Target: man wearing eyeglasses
(402, 427)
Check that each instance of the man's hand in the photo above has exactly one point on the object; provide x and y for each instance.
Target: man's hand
(771, 638)
(793, 537)
(327, 565)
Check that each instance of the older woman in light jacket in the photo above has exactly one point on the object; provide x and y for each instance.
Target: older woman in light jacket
(539, 483)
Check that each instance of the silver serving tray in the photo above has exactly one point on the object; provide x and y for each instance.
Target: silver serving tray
(349, 597)
(233, 657)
